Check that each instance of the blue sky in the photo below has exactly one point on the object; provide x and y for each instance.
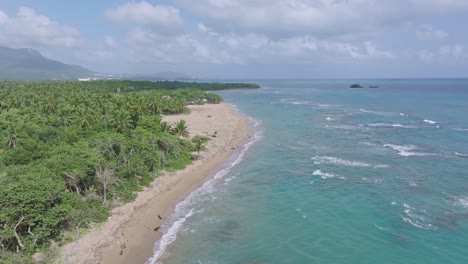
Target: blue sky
(247, 38)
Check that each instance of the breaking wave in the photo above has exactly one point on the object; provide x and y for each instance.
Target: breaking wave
(348, 163)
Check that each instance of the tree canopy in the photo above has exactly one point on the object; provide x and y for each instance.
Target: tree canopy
(70, 151)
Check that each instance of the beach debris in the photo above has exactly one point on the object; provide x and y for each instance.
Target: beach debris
(160, 218)
(121, 252)
(157, 228)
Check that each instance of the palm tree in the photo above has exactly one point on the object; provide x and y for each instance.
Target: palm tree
(180, 129)
(165, 127)
(122, 121)
(200, 143)
(11, 140)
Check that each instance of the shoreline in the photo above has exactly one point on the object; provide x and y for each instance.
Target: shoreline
(130, 234)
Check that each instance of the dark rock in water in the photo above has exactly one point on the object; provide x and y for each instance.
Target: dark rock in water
(221, 236)
(402, 239)
(446, 223)
(230, 225)
(374, 86)
(356, 85)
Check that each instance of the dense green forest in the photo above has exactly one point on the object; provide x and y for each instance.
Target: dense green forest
(70, 151)
(128, 85)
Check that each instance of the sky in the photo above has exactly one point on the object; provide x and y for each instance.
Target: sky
(247, 38)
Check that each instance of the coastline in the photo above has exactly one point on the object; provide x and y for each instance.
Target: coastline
(131, 232)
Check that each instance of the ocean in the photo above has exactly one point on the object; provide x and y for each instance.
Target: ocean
(335, 175)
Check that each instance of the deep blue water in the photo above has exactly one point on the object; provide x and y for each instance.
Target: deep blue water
(337, 175)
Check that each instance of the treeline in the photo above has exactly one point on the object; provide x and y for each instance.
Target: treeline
(70, 151)
(129, 86)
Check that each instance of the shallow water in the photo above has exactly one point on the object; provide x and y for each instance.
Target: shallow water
(338, 175)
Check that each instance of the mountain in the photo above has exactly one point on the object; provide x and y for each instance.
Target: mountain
(29, 64)
(173, 75)
(158, 76)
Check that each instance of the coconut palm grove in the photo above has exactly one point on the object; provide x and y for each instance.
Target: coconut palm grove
(71, 151)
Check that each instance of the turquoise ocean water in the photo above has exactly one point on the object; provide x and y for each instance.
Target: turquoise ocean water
(335, 175)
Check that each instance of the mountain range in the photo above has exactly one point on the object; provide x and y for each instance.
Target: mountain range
(29, 64)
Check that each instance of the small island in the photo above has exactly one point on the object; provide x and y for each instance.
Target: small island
(356, 85)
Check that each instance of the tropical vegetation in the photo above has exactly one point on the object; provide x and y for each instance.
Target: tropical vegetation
(71, 151)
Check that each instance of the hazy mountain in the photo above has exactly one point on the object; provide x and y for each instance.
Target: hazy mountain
(29, 64)
(159, 76)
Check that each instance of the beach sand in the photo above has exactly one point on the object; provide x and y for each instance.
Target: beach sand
(130, 233)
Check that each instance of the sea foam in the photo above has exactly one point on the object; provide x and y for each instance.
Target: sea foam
(416, 218)
(430, 121)
(461, 155)
(406, 150)
(379, 113)
(348, 163)
(185, 209)
(391, 125)
(323, 175)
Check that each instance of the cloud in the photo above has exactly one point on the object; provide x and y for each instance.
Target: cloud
(453, 51)
(426, 56)
(110, 43)
(162, 18)
(207, 46)
(31, 29)
(428, 32)
(280, 18)
(447, 54)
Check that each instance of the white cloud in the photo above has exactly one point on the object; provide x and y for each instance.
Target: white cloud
(110, 43)
(315, 17)
(453, 51)
(163, 18)
(426, 56)
(30, 29)
(206, 46)
(428, 32)
(447, 54)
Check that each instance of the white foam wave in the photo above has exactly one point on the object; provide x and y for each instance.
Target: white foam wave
(461, 155)
(406, 150)
(430, 121)
(377, 112)
(391, 125)
(185, 210)
(416, 219)
(381, 228)
(346, 127)
(460, 200)
(463, 201)
(323, 175)
(329, 118)
(461, 129)
(299, 103)
(349, 163)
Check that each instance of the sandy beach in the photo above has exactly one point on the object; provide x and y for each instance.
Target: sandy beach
(130, 233)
